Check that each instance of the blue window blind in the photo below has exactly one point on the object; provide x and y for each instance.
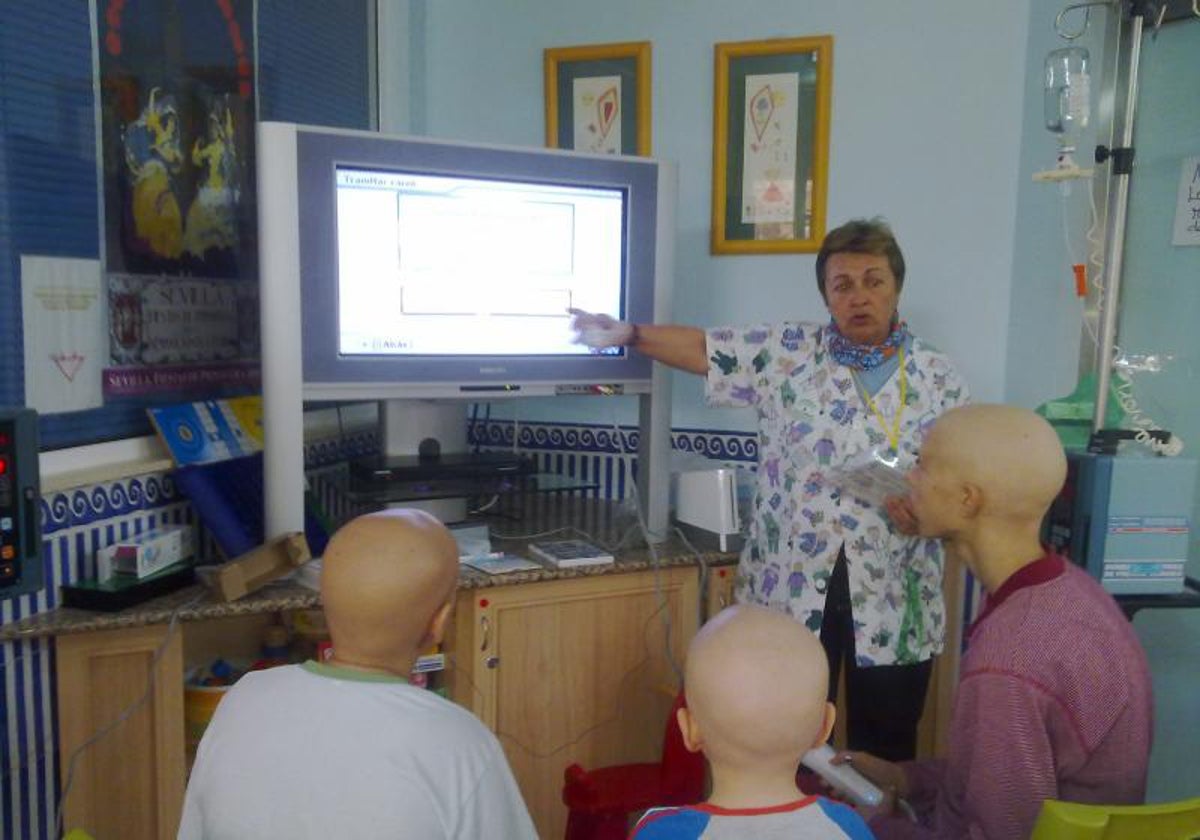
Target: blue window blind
(314, 66)
(314, 62)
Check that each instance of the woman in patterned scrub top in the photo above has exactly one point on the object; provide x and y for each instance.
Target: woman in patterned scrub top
(828, 397)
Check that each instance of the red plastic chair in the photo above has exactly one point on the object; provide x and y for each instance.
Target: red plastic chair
(601, 800)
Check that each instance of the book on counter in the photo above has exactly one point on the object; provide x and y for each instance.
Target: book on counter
(566, 554)
(499, 563)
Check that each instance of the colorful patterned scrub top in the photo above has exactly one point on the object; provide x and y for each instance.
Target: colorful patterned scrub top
(812, 423)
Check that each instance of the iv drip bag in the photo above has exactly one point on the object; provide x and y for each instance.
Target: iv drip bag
(1066, 91)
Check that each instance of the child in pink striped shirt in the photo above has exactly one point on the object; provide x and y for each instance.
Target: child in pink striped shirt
(1054, 698)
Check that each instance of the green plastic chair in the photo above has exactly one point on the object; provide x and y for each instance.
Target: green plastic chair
(1072, 821)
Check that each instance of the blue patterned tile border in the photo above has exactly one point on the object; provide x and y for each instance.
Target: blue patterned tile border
(333, 450)
(719, 445)
(603, 454)
(596, 438)
(81, 506)
(556, 437)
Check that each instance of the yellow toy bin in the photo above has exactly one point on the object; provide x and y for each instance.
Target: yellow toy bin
(199, 705)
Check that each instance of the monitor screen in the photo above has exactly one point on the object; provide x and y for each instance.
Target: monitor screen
(431, 268)
(432, 265)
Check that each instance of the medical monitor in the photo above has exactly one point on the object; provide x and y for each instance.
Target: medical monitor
(437, 269)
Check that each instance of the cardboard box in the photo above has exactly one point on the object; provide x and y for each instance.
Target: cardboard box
(144, 554)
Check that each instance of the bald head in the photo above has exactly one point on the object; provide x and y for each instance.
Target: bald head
(385, 577)
(1012, 454)
(756, 683)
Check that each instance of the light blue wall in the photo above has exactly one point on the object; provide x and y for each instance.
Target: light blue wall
(926, 129)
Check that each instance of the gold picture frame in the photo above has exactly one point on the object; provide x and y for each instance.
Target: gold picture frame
(771, 145)
(598, 98)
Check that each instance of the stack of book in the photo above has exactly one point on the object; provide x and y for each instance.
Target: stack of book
(567, 554)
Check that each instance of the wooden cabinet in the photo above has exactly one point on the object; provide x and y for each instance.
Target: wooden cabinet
(130, 782)
(581, 670)
(719, 592)
(574, 671)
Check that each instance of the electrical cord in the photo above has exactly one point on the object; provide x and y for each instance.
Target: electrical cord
(1142, 423)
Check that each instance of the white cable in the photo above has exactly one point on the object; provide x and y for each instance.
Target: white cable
(1122, 385)
(1141, 422)
(486, 507)
(655, 563)
(1066, 229)
(1096, 259)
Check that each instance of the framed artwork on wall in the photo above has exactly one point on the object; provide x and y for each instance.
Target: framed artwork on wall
(598, 98)
(771, 145)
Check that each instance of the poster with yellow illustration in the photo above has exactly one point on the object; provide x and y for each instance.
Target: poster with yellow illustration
(177, 114)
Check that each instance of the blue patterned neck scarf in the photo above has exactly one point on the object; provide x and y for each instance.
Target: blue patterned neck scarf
(865, 356)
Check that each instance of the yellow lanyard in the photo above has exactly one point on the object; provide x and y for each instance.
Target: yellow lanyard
(892, 432)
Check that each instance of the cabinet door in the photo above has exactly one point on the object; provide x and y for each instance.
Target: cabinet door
(130, 782)
(575, 671)
(720, 590)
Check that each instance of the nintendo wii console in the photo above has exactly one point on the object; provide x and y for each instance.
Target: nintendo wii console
(711, 496)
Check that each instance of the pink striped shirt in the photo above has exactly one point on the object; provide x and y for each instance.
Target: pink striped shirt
(1054, 702)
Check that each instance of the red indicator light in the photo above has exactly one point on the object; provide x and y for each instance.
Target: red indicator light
(3, 465)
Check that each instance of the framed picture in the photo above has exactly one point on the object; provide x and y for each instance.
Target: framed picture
(598, 98)
(771, 145)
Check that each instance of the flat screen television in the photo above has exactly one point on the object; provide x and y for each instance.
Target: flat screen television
(437, 269)
(404, 268)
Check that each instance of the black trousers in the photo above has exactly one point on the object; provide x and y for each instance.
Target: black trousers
(883, 702)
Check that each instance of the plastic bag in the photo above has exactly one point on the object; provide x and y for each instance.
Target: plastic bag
(872, 477)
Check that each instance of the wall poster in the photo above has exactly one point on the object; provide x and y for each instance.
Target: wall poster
(180, 252)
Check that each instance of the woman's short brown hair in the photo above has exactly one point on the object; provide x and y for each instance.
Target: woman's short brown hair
(861, 236)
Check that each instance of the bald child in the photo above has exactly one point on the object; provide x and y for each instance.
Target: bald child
(347, 748)
(1053, 699)
(756, 684)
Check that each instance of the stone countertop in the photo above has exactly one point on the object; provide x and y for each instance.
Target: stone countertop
(598, 523)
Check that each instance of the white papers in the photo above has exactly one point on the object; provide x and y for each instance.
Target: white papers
(1187, 204)
(65, 336)
(769, 148)
(597, 107)
(873, 481)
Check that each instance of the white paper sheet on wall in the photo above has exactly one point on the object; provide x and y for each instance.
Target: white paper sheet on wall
(65, 337)
(771, 125)
(597, 109)
(1187, 205)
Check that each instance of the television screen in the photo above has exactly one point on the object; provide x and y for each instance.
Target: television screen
(453, 265)
(426, 268)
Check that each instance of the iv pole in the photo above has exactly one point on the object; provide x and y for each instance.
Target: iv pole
(1121, 157)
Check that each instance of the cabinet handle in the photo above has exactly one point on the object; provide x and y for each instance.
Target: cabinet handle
(487, 632)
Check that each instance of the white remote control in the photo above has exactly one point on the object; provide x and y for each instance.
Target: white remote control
(842, 776)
